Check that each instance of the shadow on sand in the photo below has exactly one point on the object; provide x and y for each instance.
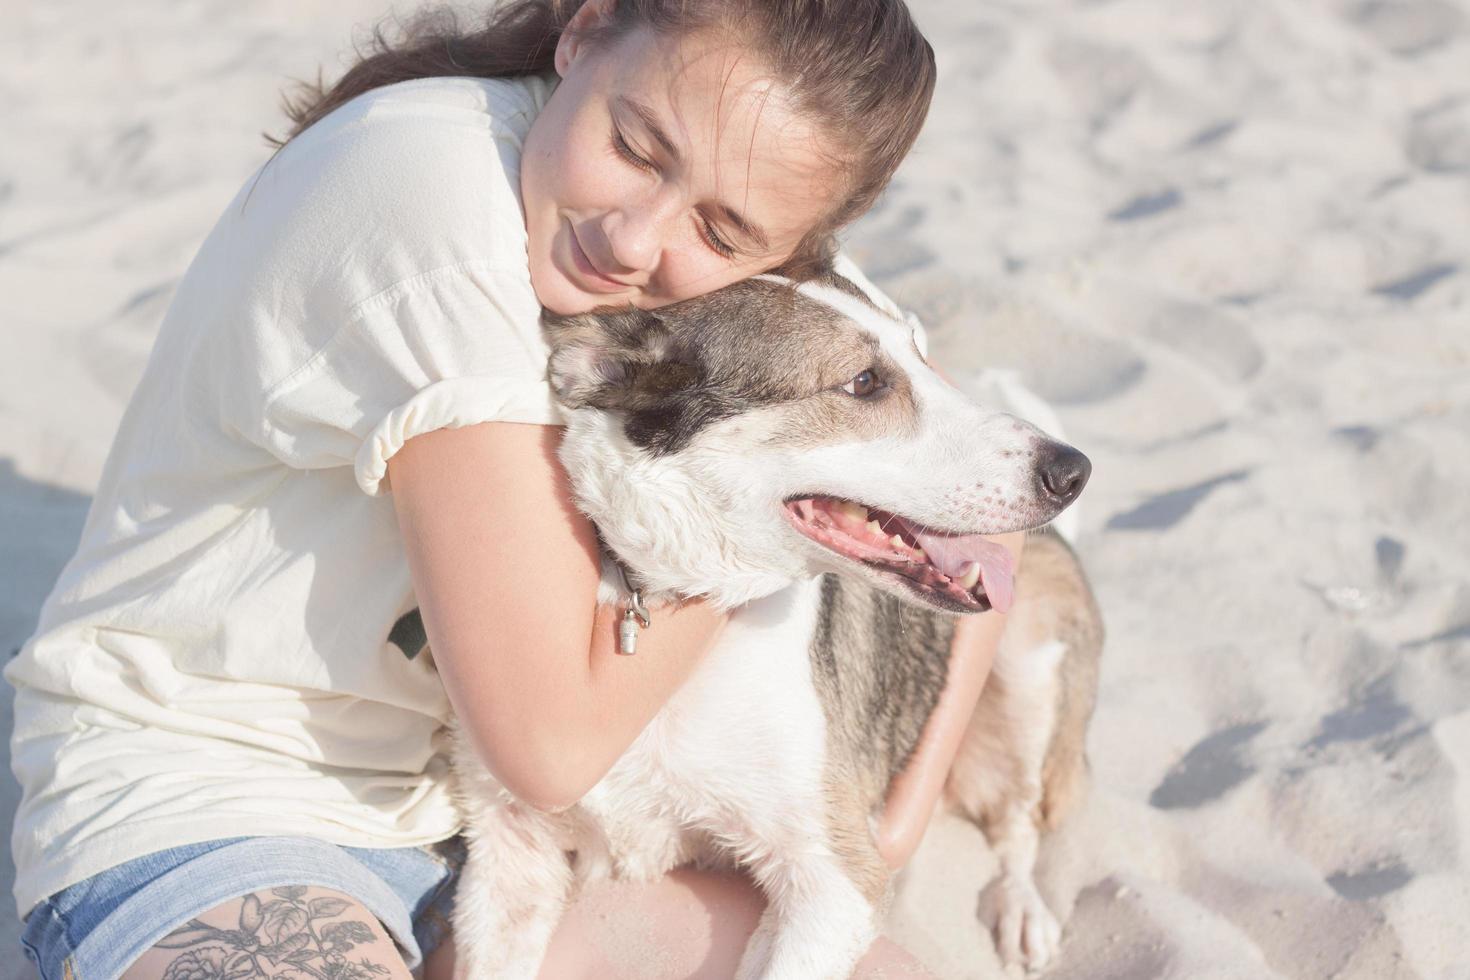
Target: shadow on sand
(39, 527)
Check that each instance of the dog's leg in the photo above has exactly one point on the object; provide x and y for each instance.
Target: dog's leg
(822, 907)
(511, 892)
(816, 925)
(1026, 931)
(1022, 764)
(997, 780)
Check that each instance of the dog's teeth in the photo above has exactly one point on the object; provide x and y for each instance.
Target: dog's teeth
(874, 527)
(971, 577)
(919, 555)
(896, 541)
(853, 512)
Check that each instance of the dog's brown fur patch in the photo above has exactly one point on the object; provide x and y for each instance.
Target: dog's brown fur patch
(676, 370)
(850, 838)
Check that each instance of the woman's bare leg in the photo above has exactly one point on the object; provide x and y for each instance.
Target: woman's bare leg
(332, 929)
(690, 925)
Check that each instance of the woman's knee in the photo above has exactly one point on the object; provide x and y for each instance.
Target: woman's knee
(308, 925)
(687, 924)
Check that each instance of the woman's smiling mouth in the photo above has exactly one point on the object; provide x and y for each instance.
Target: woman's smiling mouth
(592, 279)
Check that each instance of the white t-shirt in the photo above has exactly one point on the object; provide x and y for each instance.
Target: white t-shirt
(220, 657)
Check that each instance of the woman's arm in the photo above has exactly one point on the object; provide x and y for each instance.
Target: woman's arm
(506, 570)
(913, 793)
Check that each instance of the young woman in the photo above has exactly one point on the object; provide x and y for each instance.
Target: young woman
(227, 733)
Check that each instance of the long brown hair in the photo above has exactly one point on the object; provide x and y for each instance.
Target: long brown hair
(859, 68)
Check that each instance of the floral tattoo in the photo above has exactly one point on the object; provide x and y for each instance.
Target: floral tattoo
(278, 940)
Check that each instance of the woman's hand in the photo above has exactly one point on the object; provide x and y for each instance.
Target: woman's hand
(506, 571)
(914, 792)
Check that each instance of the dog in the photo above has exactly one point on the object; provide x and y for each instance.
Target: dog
(784, 450)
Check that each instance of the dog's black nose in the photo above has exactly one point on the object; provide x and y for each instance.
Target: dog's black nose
(1064, 472)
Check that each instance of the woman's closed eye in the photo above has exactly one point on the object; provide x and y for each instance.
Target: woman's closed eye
(713, 240)
(625, 151)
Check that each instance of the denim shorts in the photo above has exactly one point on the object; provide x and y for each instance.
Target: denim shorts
(96, 928)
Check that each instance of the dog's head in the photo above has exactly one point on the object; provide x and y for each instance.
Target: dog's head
(730, 444)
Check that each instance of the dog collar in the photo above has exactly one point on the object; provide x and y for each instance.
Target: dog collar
(634, 616)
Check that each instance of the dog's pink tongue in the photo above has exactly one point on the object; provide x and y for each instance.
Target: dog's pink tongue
(951, 554)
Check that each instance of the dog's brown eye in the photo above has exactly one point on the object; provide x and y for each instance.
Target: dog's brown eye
(863, 385)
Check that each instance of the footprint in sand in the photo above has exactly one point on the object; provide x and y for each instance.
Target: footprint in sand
(1101, 79)
(1167, 509)
(1412, 285)
(1147, 205)
(1371, 882)
(973, 326)
(113, 158)
(1408, 28)
(1209, 770)
(1375, 712)
(1439, 138)
(1213, 337)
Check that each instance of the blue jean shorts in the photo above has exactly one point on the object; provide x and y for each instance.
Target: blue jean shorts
(96, 928)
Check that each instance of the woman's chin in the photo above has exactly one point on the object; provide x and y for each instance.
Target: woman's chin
(556, 294)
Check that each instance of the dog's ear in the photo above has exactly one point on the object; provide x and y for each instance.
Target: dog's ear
(623, 360)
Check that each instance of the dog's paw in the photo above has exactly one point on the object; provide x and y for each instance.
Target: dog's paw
(1026, 933)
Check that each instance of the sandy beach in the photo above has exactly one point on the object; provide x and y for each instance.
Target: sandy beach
(1229, 242)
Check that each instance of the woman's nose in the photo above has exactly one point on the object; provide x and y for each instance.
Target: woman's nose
(635, 233)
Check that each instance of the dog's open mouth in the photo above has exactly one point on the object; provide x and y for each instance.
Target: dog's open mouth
(971, 572)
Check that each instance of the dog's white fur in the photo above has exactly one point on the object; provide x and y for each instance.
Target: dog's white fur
(731, 769)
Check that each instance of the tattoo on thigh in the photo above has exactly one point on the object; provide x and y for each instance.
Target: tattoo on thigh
(278, 938)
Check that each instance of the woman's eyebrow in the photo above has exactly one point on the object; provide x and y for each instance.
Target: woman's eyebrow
(646, 116)
(743, 225)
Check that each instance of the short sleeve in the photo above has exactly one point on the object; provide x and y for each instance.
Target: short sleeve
(845, 267)
(449, 404)
(449, 348)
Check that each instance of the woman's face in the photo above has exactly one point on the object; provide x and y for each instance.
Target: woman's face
(662, 169)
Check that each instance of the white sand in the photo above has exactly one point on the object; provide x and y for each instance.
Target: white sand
(1229, 240)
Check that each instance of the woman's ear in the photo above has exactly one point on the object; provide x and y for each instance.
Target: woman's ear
(571, 45)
